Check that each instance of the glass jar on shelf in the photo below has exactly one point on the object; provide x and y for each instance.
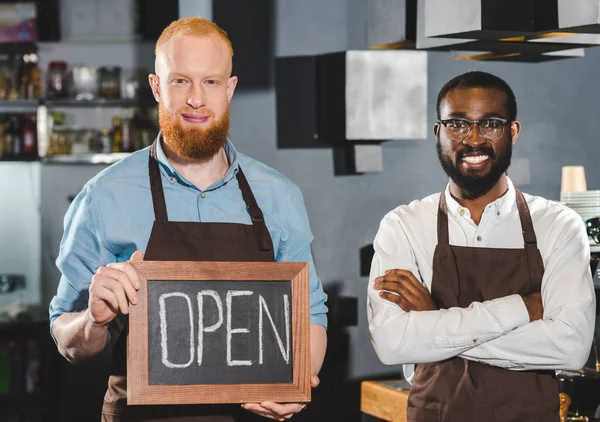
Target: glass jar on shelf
(57, 80)
(109, 82)
(83, 83)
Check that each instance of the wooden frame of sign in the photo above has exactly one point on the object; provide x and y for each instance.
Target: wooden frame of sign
(139, 389)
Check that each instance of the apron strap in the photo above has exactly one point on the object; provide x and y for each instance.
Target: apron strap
(256, 214)
(442, 221)
(526, 224)
(158, 196)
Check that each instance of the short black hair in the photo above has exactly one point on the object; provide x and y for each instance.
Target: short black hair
(479, 79)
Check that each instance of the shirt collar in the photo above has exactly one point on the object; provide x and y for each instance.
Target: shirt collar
(169, 171)
(501, 206)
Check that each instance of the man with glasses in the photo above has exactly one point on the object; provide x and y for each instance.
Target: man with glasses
(486, 289)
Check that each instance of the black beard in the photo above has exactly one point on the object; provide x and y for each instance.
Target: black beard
(475, 186)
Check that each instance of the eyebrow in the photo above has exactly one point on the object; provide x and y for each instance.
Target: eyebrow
(463, 115)
(182, 76)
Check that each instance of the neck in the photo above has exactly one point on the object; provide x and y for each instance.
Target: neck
(201, 173)
(477, 205)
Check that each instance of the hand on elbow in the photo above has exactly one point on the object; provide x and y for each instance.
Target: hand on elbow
(402, 288)
(535, 308)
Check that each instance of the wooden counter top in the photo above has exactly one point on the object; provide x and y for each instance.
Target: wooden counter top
(385, 399)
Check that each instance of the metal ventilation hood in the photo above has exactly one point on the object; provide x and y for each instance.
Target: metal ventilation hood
(541, 32)
(391, 24)
(504, 47)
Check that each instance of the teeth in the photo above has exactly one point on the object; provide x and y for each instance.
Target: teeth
(475, 159)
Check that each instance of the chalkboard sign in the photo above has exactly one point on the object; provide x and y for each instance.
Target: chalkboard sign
(219, 332)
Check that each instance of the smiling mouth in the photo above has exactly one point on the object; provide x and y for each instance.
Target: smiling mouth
(474, 162)
(475, 159)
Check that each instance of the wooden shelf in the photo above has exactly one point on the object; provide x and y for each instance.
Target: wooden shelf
(386, 400)
(30, 106)
(99, 102)
(18, 106)
(92, 158)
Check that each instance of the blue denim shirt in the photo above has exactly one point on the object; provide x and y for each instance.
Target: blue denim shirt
(112, 217)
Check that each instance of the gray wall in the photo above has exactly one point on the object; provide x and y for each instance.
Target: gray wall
(557, 107)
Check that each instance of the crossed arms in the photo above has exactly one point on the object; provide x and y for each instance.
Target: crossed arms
(498, 332)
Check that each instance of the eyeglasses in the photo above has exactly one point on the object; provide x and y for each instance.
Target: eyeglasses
(459, 129)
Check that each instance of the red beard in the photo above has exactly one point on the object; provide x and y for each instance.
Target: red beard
(193, 144)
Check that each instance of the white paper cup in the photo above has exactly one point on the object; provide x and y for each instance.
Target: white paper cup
(573, 179)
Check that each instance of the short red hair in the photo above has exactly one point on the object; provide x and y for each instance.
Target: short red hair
(194, 26)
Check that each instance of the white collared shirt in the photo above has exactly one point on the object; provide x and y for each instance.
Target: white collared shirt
(495, 332)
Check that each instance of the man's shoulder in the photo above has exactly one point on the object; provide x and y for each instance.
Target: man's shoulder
(131, 169)
(417, 209)
(551, 211)
(262, 176)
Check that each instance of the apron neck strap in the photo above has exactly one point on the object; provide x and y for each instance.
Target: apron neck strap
(526, 224)
(256, 214)
(442, 221)
(156, 186)
(529, 237)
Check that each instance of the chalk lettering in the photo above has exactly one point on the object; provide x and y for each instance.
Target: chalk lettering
(163, 330)
(230, 331)
(263, 307)
(212, 328)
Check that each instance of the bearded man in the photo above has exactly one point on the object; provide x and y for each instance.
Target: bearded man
(190, 196)
(486, 289)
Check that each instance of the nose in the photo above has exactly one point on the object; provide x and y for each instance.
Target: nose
(474, 138)
(197, 98)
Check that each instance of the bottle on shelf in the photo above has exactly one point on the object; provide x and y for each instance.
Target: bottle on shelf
(117, 135)
(1, 139)
(16, 135)
(105, 141)
(8, 141)
(127, 138)
(31, 88)
(29, 136)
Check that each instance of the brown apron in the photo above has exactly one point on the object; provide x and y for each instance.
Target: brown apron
(187, 241)
(460, 390)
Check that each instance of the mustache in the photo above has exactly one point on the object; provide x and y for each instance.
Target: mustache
(471, 151)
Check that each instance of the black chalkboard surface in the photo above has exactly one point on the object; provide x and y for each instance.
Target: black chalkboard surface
(219, 332)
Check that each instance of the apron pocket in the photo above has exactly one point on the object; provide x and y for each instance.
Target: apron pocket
(416, 414)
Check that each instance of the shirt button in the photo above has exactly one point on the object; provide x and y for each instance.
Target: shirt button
(202, 194)
(462, 212)
(173, 179)
(479, 238)
(475, 340)
(498, 213)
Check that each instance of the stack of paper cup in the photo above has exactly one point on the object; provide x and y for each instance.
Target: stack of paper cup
(573, 179)
(574, 193)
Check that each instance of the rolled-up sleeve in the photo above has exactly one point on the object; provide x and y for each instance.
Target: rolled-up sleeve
(81, 252)
(295, 245)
